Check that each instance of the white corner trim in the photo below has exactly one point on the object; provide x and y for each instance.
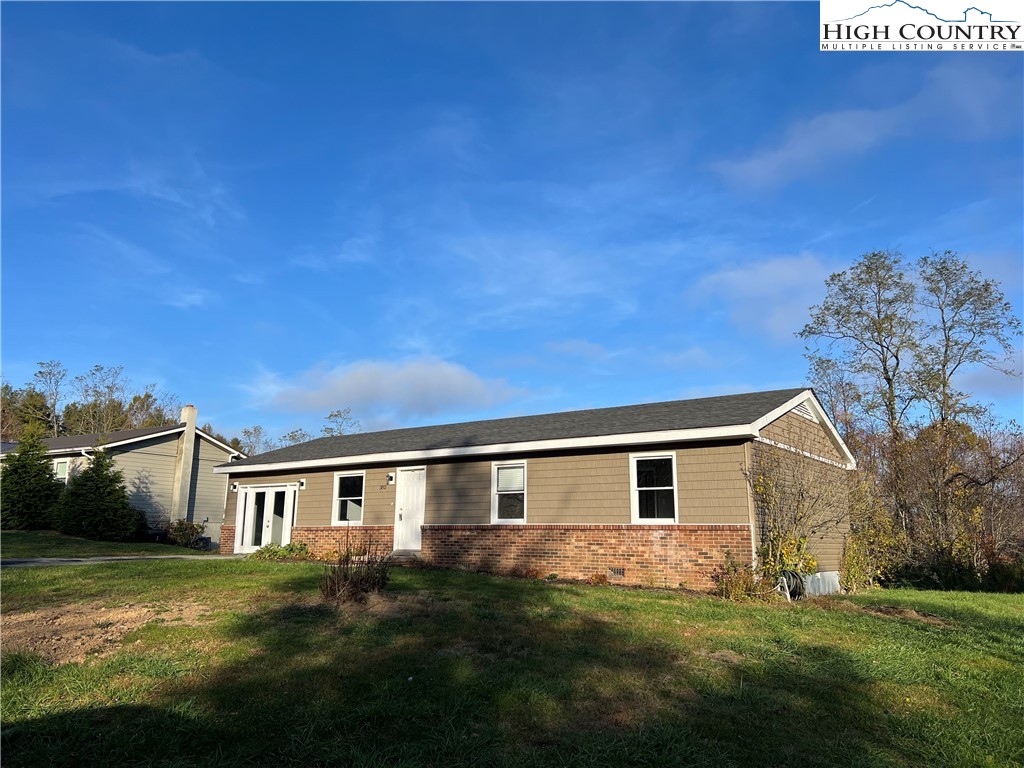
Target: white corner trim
(738, 431)
(495, 520)
(634, 491)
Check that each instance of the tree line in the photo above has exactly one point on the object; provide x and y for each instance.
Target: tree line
(101, 400)
(938, 496)
(104, 400)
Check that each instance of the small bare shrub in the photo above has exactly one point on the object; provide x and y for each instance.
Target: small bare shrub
(531, 574)
(293, 551)
(185, 533)
(735, 580)
(597, 579)
(355, 575)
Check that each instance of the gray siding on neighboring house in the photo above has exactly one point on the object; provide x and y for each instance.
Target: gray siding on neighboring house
(206, 494)
(148, 468)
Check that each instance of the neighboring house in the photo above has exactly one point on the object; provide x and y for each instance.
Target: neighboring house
(168, 470)
(643, 494)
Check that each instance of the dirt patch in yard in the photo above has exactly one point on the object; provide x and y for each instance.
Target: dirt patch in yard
(892, 611)
(900, 612)
(74, 632)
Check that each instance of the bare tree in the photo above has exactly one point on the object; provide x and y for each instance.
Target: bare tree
(256, 440)
(299, 435)
(866, 326)
(968, 322)
(340, 422)
(49, 381)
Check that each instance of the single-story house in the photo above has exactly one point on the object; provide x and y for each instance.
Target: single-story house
(168, 471)
(642, 494)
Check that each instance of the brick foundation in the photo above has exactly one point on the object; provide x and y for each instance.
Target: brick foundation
(650, 555)
(227, 539)
(327, 539)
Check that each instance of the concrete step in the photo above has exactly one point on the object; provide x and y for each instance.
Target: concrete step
(406, 556)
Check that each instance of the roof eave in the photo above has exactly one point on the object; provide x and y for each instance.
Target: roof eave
(739, 431)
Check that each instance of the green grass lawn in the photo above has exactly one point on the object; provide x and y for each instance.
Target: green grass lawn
(22, 544)
(454, 669)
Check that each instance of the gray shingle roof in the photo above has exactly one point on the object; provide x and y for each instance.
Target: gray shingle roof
(727, 410)
(76, 442)
(79, 442)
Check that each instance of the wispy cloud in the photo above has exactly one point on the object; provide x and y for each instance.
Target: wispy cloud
(689, 358)
(958, 97)
(405, 390)
(131, 255)
(580, 349)
(768, 297)
(187, 298)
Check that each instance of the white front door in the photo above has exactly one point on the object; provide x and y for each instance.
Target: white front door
(411, 496)
(265, 515)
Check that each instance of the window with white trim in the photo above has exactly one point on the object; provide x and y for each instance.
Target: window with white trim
(348, 498)
(508, 492)
(653, 480)
(60, 469)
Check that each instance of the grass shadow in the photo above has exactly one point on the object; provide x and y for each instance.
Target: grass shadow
(451, 669)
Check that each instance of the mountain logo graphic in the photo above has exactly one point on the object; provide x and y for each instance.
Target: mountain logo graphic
(903, 5)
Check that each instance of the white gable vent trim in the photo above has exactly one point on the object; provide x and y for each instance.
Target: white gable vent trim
(806, 412)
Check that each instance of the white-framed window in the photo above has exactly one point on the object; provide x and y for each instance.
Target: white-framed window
(508, 492)
(653, 497)
(348, 498)
(61, 469)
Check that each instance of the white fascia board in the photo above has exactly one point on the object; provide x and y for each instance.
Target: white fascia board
(602, 441)
(219, 444)
(808, 397)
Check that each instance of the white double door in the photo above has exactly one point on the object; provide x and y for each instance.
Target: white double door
(266, 514)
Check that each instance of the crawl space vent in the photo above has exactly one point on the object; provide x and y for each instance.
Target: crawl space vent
(616, 573)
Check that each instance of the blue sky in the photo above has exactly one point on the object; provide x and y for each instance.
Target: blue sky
(435, 213)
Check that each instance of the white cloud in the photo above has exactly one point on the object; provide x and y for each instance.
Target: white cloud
(579, 348)
(771, 296)
(376, 389)
(691, 357)
(985, 383)
(963, 98)
(188, 299)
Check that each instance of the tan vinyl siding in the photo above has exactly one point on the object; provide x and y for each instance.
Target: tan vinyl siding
(712, 488)
(588, 488)
(827, 498)
(804, 435)
(459, 493)
(148, 468)
(592, 488)
(315, 504)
